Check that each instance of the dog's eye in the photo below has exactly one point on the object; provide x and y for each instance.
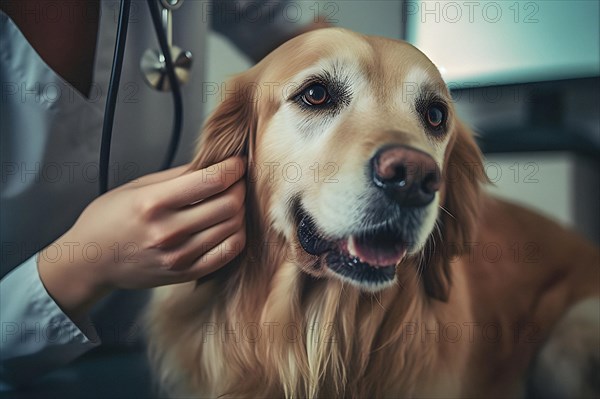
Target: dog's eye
(436, 115)
(316, 94)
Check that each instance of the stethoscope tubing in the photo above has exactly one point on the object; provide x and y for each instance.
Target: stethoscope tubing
(111, 97)
(115, 78)
(175, 88)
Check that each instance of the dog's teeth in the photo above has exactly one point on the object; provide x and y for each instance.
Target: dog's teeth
(374, 253)
(351, 246)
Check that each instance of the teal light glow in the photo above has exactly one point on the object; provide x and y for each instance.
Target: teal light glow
(500, 42)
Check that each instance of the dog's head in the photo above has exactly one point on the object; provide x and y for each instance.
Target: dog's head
(355, 157)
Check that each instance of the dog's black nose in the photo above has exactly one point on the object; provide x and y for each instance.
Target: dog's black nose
(408, 176)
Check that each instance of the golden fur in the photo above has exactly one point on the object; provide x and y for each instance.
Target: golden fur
(456, 323)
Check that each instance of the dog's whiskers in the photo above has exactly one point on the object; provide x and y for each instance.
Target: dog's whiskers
(379, 301)
(437, 228)
(421, 257)
(420, 268)
(447, 211)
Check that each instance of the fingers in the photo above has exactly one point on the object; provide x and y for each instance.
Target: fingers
(164, 175)
(208, 249)
(205, 214)
(218, 256)
(195, 186)
(156, 177)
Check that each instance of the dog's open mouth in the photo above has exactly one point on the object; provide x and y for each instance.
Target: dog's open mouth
(367, 259)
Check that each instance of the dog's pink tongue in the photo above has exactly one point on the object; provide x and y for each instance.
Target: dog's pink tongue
(376, 254)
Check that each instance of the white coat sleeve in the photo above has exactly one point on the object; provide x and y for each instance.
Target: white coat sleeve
(35, 334)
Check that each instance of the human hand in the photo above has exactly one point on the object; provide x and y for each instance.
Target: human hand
(164, 228)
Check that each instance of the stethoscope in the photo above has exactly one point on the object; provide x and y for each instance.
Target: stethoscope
(163, 69)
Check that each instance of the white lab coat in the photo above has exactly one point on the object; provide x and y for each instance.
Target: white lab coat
(50, 145)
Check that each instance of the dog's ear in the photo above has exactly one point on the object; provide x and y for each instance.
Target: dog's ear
(230, 129)
(464, 175)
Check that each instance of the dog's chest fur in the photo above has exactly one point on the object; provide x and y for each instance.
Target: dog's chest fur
(278, 332)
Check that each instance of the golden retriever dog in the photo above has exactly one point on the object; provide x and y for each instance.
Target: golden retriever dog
(375, 264)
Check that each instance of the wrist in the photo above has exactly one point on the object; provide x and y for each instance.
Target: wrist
(74, 284)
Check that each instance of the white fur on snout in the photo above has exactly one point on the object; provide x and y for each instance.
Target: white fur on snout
(427, 224)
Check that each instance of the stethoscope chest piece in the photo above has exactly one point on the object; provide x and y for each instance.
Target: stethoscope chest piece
(154, 68)
(153, 65)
